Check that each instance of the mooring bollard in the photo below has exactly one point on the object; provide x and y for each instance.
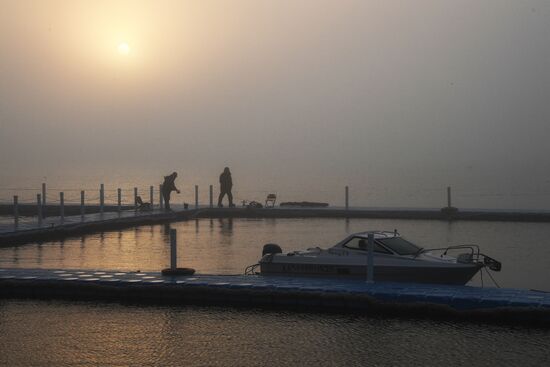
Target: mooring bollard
(16, 211)
(135, 196)
(448, 196)
(196, 196)
(82, 204)
(211, 196)
(151, 195)
(161, 199)
(347, 197)
(173, 249)
(39, 208)
(62, 206)
(370, 255)
(101, 198)
(119, 199)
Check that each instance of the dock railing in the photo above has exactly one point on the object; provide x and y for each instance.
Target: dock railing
(20, 206)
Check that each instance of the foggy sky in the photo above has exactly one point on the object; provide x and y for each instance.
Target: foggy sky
(315, 94)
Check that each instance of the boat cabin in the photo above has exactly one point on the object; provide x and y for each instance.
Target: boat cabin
(388, 243)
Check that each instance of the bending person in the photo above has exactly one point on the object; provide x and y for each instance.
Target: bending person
(225, 187)
(167, 187)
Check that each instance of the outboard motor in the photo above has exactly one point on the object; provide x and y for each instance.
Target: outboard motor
(493, 264)
(271, 248)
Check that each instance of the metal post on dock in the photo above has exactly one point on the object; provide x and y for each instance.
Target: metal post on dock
(62, 206)
(196, 196)
(173, 249)
(39, 208)
(151, 195)
(101, 198)
(119, 199)
(347, 197)
(135, 196)
(448, 196)
(370, 262)
(16, 211)
(173, 269)
(161, 199)
(211, 196)
(82, 204)
(43, 194)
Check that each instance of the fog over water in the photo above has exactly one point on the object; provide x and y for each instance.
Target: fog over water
(397, 99)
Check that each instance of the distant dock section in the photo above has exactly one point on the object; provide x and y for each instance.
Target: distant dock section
(32, 229)
(48, 217)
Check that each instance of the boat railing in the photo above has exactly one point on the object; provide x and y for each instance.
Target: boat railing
(475, 255)
(474, 250)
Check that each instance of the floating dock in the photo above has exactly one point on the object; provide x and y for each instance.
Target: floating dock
(30, 229)
(256, 291)
(52, 228)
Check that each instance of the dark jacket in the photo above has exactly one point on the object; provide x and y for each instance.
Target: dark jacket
(225, 181)
(169, 183)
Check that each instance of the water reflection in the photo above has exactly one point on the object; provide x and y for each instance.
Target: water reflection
(15, 255)
(119, 239)
(227, 246)
(226, 231)
(39, 253)
(67, 334)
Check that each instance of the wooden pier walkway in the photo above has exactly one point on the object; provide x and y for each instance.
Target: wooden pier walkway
(336, 295)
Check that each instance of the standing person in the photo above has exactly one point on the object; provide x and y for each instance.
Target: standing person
(225, 187)
(167, 187)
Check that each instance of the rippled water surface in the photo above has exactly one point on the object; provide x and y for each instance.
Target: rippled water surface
(63, 334)
(41, 333)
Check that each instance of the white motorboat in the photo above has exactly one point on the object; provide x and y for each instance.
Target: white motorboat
(394, 259)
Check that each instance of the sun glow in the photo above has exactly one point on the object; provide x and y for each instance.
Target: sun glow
(123, 48)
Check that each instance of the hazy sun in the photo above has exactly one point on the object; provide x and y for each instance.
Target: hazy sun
(123, 48)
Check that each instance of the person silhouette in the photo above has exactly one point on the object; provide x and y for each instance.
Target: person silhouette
(226, 183)
(167, 187)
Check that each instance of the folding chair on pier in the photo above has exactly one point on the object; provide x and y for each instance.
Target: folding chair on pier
(270, 200)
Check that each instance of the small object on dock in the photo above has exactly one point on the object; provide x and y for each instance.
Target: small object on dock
(310, 204)
(253, 205)
(178, 271)
(270, 200)
(142, 206)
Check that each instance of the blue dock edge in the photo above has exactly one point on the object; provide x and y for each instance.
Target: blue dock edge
(339, 295)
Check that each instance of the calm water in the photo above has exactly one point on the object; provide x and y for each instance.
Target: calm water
(59, 333)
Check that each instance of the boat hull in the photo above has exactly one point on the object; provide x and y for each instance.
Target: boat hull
(458, 274)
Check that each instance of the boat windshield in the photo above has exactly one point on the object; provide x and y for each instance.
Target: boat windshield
(400, 245)
(358, 243)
